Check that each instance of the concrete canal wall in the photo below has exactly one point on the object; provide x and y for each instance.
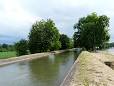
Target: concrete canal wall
(30, 57)
(90, 70)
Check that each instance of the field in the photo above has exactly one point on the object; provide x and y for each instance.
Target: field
(5, 55)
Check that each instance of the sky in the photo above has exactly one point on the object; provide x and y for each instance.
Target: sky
(17, 16)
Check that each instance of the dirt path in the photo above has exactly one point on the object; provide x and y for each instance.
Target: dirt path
(90, 70)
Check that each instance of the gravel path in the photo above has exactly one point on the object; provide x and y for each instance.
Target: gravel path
(90, 70)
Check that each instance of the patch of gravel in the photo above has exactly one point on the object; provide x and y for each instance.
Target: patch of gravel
(90, 70)
(104, 56)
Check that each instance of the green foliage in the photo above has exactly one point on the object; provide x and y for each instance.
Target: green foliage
(71, 43)
(56, 45)
(111, 44)
(11, 48)
(65, 41)
(91, 31)
(21, 47)
(44, 36)
(108, 45)
(6, 48)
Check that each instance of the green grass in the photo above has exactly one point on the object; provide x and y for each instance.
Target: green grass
(5, 55)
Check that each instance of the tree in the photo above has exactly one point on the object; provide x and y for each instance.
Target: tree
(11, 47)
(21, 47)
(5, 46)
(71, 43)
(91, 31)
(65, 41)
(44, 36)
(0, 48)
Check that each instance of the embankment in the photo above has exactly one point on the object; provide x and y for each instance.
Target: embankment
(30, 57)
(90, 70)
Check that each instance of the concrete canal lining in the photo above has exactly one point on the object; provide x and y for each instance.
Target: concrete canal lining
(30, 57)
(90, 70)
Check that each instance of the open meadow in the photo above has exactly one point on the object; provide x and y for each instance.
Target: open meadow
(5, 55)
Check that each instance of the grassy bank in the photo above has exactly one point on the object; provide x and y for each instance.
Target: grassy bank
(5, 55)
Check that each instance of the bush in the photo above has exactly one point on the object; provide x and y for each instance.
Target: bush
(21, 47)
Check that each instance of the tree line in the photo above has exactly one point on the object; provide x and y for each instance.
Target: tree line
(108, 45)
(43, 37)
(91, 32)
(6, 47)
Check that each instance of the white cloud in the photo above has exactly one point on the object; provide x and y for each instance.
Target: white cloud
(18, 15)
(13, 12)
(15, 21)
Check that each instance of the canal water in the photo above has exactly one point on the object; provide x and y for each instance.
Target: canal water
(47, 71)
(110, 50)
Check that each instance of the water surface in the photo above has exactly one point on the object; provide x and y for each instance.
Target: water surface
(47, 71)
(110, 50)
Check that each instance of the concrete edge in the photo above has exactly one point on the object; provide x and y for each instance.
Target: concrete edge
(12, 60)
(67, 79)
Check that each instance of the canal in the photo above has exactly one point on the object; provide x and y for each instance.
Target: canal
(46, 71)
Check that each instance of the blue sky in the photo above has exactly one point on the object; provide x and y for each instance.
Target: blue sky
(17, 16)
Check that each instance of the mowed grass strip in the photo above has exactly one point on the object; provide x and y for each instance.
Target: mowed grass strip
(5, 55)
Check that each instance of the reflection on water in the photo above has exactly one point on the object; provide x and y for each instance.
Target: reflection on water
(52, 58)
(48, 71)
